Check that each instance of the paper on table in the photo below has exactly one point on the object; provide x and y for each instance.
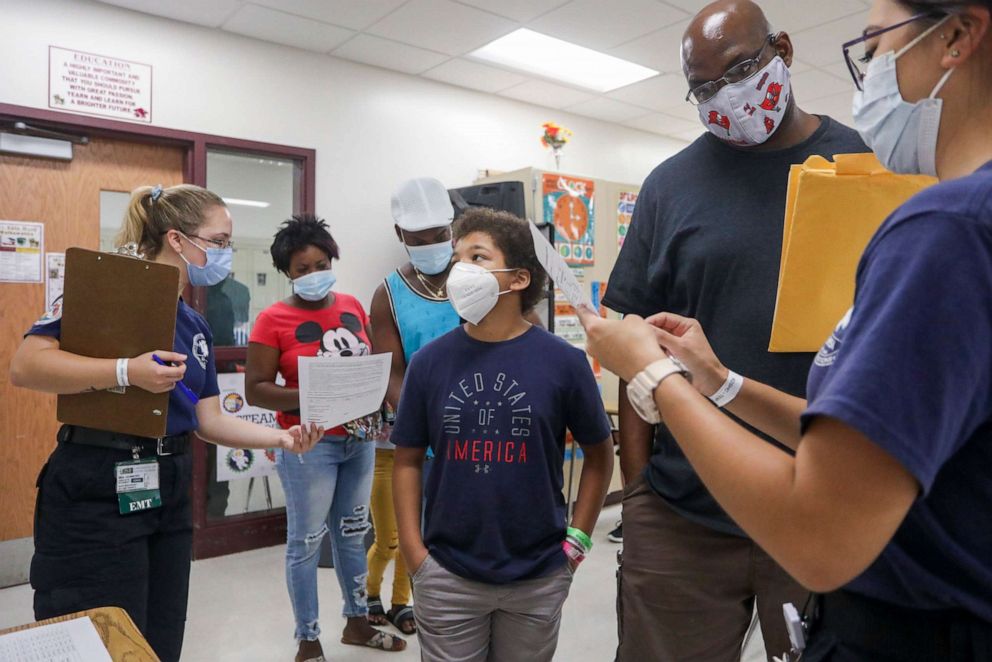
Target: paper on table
(558, 270)
(338, 389)
(69, 641)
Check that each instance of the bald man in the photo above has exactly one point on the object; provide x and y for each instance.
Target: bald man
(705, 242)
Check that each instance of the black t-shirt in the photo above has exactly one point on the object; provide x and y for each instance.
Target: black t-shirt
(705, 241)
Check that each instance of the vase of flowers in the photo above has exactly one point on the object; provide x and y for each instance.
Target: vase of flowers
(555, 138)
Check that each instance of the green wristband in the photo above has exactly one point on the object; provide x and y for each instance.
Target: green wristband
(580, 535)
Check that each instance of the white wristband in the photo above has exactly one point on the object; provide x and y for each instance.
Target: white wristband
(726, 393)
(122, 372)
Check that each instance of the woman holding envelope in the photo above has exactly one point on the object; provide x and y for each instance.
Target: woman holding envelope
(98, 542)
(884, 508)
(328, 491)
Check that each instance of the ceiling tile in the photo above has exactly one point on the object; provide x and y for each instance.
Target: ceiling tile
(211, 14)
(690, 6)
(606, 109)
(688, 136)
(816, 84)
(661, 49)
(840, 70)
(795, 15)
(663, 124)
(789, 15)
(654, 93)
(798, 66)
(837, 106)
(820, 46)
(518, 10)
(389, 54)
(474, 75)
(353, 14)
(605, 25)
(442, 25)
(542, 93)
(683, 110)
(282, 28)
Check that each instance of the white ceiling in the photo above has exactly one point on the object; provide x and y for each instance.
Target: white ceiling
(431, 38)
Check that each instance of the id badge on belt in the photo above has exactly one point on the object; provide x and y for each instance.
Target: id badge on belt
(137, 485)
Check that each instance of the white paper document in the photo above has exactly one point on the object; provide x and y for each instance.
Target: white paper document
(71, 641)
(558, 270)
(338, 389)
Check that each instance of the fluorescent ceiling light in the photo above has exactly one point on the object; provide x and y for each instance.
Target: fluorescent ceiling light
(546, 56)
(246, 203)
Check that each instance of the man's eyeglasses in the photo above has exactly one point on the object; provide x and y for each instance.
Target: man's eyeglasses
(217, 243)
(858, 66)
(735, 74)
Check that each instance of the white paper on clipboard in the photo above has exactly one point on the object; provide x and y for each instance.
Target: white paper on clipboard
(558, 270)
(337, 389)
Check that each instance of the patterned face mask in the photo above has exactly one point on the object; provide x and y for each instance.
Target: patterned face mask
(748, 112)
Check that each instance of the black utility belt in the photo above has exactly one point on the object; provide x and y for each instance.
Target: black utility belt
(901, 633)
(145, 446)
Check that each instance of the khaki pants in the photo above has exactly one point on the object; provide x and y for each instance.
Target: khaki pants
(687, 592)
(459, 620)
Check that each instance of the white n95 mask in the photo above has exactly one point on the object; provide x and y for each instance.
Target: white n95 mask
(473, 291)
(903, 135)
(748, 112)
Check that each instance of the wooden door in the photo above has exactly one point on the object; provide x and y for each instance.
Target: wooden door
(65, 196)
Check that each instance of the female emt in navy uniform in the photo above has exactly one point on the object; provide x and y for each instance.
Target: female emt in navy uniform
(93, 549)
(885, 506)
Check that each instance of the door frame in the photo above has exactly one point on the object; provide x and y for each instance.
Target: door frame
(236, 533)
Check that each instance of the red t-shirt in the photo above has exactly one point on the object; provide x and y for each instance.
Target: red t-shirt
(338, 330)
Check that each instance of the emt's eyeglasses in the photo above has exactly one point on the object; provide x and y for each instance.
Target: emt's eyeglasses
(735, 74)
(858, 66)
(217, 243)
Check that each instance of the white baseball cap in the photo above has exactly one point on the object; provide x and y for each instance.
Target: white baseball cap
(422, 203)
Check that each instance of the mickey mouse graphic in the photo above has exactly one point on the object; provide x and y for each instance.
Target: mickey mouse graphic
(341, 341)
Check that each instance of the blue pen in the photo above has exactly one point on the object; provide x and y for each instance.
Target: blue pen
(182, 387)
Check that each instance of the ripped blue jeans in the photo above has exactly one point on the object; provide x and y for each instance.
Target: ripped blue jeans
(328, 491)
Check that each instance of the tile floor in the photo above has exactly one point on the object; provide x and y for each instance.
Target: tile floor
(239, 610)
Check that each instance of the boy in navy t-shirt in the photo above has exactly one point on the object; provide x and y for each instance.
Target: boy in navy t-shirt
(493, 400)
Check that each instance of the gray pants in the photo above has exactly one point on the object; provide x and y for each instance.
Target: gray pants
(459, 620)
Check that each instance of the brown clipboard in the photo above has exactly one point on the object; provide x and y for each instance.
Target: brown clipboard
(116, 306)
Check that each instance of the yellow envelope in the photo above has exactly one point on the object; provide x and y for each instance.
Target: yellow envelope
(831, 212)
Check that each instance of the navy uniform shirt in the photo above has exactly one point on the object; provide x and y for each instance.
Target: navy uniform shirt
(193, 338)
(910, 367)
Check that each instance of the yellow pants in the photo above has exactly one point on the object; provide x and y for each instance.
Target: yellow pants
(387, 541)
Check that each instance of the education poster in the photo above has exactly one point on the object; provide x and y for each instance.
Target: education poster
(569, 205)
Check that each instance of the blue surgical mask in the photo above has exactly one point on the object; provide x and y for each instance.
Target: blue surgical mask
(315, 285)
(216, 269)
(431, 259)
(903, 135)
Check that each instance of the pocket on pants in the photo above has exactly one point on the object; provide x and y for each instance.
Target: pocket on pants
(421, 568)
(632, 486)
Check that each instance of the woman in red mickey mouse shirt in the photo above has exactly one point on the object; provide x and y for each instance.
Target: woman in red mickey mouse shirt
(328, 492)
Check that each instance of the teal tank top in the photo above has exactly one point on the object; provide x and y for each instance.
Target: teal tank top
(419, 319)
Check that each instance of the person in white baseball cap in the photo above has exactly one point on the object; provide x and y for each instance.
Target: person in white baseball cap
(409, 309)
